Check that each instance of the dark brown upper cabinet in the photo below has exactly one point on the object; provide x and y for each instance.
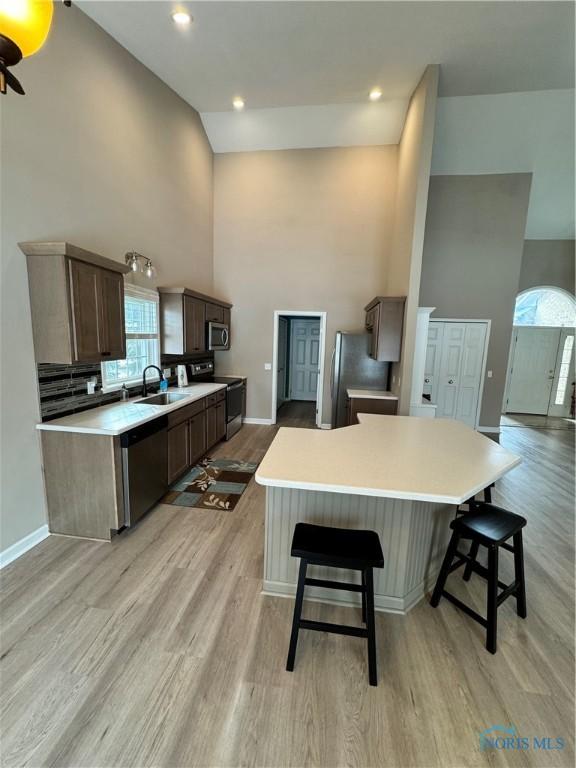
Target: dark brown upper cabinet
(77, 304)
(384, 321)
(184, 315)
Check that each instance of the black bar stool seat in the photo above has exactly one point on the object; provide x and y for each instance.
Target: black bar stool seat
(491, 527)
(337, 548)
(323, 545)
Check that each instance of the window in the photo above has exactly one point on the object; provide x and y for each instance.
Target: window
(545, 306)
(564, 370)
(142, 340)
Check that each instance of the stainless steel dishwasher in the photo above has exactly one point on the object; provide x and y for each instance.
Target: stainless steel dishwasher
(144, 467)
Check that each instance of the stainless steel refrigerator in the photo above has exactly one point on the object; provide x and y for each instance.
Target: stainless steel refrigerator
(352, 367)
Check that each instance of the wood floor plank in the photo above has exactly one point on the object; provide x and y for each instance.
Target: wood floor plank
(158, 649)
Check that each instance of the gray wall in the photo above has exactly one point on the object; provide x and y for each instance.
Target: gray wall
(547, 262)
(472, 259)
(101, 153)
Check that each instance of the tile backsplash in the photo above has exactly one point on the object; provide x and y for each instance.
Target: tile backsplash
(63, 389)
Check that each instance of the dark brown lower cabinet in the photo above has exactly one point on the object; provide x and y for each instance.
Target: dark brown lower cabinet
(178, 450)
(197, 433)
(215, 424)
(358, 405)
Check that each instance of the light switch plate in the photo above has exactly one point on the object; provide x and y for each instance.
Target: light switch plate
(489, 374)
(267, 366)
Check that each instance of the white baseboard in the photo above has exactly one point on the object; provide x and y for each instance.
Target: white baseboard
(491, 430)
(251, 420)
(325, 426)
(12, 553)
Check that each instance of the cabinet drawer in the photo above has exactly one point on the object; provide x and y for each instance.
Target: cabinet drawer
(217, 397)
(186, 412)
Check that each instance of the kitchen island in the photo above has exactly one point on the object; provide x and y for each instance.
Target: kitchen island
(400, 476)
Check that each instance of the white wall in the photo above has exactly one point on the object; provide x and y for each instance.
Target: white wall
(100, 153)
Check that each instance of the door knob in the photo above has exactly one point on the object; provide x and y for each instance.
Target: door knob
(450, 381)
(426, 381)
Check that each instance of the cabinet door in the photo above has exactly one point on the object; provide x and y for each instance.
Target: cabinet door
(214, 313)
(112, 315)
(178, 451)
(211, 427)
(197, 437)
(86, 311)
(194, 325)
(221, 421)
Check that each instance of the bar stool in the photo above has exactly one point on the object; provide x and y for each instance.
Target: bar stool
(490, 526)
(337, 548)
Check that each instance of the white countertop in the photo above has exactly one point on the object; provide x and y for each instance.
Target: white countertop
(124, 415)
(371, 394)
(397, 457)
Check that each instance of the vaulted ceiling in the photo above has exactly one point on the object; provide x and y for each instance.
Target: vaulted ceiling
(305, 69)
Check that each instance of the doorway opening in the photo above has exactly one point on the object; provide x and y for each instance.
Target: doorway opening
(540, 377)
(298, 368)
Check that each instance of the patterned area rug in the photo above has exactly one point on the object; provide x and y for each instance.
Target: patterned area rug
(212, 484)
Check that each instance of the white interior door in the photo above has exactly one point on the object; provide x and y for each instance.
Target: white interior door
(282, 361)
(454, 368)
(471, 373)
(433, 355)
(449, 375)
(304, 359)
(532, 371)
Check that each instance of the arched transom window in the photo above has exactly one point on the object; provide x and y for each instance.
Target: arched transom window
(545, 307)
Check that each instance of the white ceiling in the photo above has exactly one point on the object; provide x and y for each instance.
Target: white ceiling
(279, 54)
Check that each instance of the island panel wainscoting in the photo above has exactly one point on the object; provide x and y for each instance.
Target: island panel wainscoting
(397, 475)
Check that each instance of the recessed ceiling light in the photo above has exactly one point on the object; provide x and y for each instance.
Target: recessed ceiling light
(375, 94)
(238, 103)
(181, 18)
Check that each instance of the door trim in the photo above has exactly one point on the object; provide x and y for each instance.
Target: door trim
(488, 324)
(320, 391)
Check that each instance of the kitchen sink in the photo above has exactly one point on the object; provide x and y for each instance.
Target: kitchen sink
(166, 398)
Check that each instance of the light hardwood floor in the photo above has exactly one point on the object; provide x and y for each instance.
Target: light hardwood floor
(158, 649)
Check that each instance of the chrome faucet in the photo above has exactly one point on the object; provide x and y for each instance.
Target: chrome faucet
(144, 388)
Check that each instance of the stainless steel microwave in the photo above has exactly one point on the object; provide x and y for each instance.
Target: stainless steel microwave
(218, 336)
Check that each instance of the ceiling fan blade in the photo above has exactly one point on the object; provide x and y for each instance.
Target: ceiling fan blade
(9, 79)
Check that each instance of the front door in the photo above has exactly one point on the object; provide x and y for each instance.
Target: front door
(304, 359)
(534, 352)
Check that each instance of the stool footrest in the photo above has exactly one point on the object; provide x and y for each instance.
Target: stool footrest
(463, 607)
(338, 629)
(334, 585)
(506, 592)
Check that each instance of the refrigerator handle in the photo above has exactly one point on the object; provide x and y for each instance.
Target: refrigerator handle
(332, 373)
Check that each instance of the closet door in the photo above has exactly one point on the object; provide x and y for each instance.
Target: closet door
(450, 365)
(432, 364)
(471, 373)
(454, 365)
